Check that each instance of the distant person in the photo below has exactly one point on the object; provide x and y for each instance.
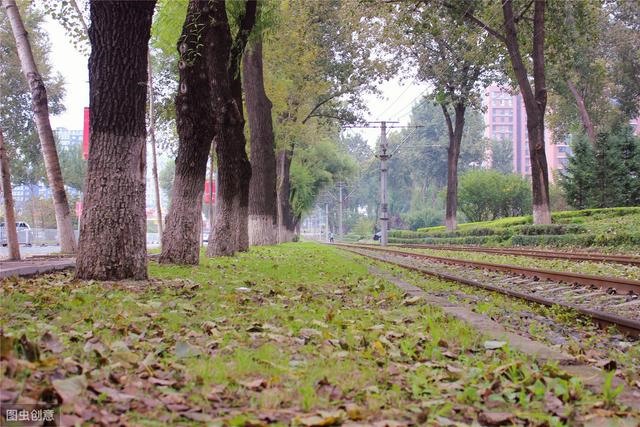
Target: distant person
(330, 237)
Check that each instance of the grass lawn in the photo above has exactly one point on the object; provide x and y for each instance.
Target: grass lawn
(294, 334)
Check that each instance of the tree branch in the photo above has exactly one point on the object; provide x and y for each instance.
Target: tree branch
(247, 22)
(321, 103)
(472, 18)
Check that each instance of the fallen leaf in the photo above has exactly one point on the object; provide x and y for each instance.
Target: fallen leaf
(70, 388)
(378, 349)
(256, 327)
(50, 342)
(322, 419)
(494, 345)
(184, 350)
(553, 404)
(354, 412)
(257, 384)
(495, 418)
(412, 300)
(113, 394)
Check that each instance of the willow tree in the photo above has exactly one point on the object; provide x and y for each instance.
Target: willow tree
(113, 226)
(40, 106)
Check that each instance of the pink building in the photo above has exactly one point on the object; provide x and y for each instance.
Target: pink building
(635, 123)
(505, 118)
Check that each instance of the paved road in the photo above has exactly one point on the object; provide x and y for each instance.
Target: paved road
(27, 251)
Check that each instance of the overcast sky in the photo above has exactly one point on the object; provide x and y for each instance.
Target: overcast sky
(394, 103)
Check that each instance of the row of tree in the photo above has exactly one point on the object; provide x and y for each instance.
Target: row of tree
(230, 54)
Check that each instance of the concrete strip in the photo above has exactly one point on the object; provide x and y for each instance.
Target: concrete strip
(590, 376)
(31, 267)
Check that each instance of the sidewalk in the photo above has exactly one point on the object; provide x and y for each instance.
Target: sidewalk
(35, 265)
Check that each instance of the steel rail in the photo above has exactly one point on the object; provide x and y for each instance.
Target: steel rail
(534, 253)
(617, 283)
(627, 326)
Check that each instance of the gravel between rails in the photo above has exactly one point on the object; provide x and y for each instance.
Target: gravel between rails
(587, 297)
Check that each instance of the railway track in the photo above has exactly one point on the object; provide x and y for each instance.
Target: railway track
(606, 300)
(534, 253)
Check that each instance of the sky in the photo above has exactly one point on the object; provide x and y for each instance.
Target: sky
(394, 103)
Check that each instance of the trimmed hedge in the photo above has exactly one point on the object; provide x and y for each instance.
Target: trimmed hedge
(577, 240)
(468, 240)
(551, 229)
(406, 234)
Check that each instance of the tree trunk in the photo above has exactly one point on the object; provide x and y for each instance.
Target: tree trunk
(535, 101)
(584, 114)
(113, 227)
(40, 107)
(453, 154)
(263, 213)
(9, 214)
(152, 140)
(212, 211)
(285, 212)
(230, 233)
(181, 239)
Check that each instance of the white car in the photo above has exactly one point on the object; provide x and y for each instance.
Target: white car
(25, 236)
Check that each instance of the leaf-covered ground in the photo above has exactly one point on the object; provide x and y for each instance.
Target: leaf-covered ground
(295, 334)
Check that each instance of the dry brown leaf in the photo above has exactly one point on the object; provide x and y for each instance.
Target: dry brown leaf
(553, 404)
(257, 384)
(495, 418)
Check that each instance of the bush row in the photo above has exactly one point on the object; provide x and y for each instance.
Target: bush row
(577, 240)
(549, 229)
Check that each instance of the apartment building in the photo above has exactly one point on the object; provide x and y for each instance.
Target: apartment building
(506, 118)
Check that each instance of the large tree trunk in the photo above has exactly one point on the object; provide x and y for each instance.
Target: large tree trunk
(263, 213)
(40, 107)
(152, 140)
(584, 114)
(181, 239)
(113, 227)
(9, 214)
(285, 212)
(230, 233)
(455, 128)
(535, 101)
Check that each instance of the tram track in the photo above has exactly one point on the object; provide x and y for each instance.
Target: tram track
(533, 253)
(598, 299)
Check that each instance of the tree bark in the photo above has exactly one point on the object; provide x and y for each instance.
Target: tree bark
(113, 227)
(285, 212)
(455, 128)
(535, 101)
(263, 213)
(194, 112)
(230, 233)
(584, 114)
(40, 107)
(9, 212)
(152, 140)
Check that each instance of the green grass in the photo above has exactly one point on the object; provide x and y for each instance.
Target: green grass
(275, 335)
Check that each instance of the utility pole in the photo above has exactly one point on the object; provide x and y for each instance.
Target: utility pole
(340, 207)
(383, 155)
(384, 206)
(326, 222)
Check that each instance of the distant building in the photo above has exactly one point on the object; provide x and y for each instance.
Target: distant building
(506, 118)
(635, 123)
(66, 138)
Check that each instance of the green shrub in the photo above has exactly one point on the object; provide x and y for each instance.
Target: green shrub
(406, 234)
(584, 240)
(550, 229)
